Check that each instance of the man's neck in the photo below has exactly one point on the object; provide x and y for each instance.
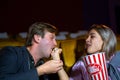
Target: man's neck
(33, 53)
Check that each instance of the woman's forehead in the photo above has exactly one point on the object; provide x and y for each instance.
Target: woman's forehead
(92, 32)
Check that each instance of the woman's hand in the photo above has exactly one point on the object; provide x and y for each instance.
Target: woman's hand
(56, 53)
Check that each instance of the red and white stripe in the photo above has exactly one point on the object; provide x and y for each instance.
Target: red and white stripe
(98, 58)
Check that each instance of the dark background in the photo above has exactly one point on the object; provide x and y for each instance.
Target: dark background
(68, 15)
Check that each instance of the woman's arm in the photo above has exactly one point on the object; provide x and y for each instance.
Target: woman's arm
(61, 73)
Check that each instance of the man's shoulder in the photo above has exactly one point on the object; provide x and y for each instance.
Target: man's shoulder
(9, 48)
(12, 50)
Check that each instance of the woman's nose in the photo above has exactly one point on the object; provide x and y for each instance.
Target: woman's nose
(87, 39)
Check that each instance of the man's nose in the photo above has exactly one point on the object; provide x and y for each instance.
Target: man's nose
(55, 42)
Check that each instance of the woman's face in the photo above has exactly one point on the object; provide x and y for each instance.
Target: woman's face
(94, 42)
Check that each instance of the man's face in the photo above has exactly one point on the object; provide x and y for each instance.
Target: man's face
(47, 44)
(94, 42)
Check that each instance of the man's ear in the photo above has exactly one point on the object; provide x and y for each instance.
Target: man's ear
(37, 38)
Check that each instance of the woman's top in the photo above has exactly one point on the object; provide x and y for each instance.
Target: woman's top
(79, 72)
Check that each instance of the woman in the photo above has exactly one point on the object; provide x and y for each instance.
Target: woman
(100, 39)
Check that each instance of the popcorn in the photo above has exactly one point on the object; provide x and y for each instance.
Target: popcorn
(56, 48)
(96, 66)
(55, 53)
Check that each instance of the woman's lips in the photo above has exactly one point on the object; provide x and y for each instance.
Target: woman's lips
(88, 45)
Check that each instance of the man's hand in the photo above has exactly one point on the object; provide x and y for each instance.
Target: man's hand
(51, 66)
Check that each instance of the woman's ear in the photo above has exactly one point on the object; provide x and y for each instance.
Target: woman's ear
(37, 38)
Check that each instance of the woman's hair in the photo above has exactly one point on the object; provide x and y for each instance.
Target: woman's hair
(39, 28)
(108, 37)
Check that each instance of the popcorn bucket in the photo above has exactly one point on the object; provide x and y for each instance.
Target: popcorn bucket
(96, 66)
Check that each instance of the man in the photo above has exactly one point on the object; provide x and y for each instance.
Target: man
(23, 63)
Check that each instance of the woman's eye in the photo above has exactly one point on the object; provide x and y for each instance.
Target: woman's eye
(92, 36)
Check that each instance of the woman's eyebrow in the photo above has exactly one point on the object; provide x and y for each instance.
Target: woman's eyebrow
(92, 33)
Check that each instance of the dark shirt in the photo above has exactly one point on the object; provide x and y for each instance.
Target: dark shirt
(16, 63)
(40, 62)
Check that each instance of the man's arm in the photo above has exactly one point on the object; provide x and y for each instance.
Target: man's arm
(11, 67)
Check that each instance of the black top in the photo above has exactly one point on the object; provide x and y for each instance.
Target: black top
(16, 63)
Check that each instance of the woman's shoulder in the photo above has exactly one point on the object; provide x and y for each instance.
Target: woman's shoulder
(78, 71)
(79, 64)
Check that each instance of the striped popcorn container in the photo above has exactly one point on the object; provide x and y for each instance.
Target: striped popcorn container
(96, 66)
